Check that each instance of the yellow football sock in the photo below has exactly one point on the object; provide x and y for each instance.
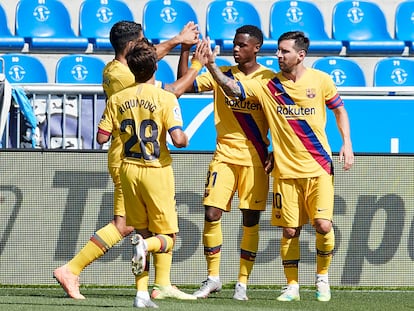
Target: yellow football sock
(141, 281)
(104, 239)
(159, 243)
(212, 240)
(290, 254)
(162, 264)
(248, 249)
(324, 249)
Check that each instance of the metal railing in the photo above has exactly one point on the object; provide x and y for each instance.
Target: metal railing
(68, 114)
(67, 117)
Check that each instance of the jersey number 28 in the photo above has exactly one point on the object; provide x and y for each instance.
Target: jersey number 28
(141, 138)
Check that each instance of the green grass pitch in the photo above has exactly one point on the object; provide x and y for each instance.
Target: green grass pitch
(13, 298)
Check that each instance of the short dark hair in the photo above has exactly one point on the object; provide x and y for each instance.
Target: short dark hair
(142, 60)
(301, 41)
(252, 31)
(123, 32)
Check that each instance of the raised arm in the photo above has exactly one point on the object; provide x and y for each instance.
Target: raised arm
(188, 35)
(229, 85)
(185, 82)
(183, 61)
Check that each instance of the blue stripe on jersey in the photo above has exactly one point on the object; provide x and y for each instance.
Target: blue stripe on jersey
(174, 128)
(195, 85)
(311, 142)
(278, 92)
(334, 102)
(243, 93)
(250, 128)
(228, 73)
(252, 132)
(301, 128)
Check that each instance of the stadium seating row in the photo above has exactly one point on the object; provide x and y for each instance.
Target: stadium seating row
(358, 27)
(87, 69)
(22, 68)
(389, 71)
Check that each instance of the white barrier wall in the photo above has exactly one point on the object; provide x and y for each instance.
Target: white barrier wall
(52, 202)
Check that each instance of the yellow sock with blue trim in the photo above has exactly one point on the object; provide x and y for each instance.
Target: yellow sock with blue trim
(325, 244)
(212, 240)
(103, 239)
(290, 254)
(248, 250)
(160, 243)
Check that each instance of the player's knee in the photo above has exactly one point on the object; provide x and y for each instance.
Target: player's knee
(144, 232)
(250, 218)
(322, 226)
(212, 213)
(173, 236)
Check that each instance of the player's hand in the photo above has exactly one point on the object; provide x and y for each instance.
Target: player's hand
(269, 163)
(346, 156)
(189, 34)
(212, 54)
(201, 52)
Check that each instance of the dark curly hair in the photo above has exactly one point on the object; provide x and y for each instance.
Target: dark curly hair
(252, 31)
(123, 32)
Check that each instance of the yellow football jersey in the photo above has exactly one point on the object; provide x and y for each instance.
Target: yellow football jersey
(117, 76)
(241, 125)
(297, 111)
(142, 114)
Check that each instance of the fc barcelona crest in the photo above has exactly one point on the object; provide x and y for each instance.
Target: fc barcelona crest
(310, 93)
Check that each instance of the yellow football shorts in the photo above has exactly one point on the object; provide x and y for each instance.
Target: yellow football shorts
(224, 179)
(119, 206)
(298, 201)
(149, 194)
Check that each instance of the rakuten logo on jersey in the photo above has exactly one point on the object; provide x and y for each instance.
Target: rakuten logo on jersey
(295, 111)
(237, 104)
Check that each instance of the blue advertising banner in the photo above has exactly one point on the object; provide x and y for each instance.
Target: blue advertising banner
(379, 124)
(380, 119)
(198, 117)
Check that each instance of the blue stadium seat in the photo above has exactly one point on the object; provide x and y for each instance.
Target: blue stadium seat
(96, 17)
(23, 68)
(404, 23)
(362, 28)
(46, 25)
(270, 62)
(8, 41)
(78, 68)
(287, 15)
(224, 17)
(344, 71)
(394, 71)
(164, 72)
(163, 19)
